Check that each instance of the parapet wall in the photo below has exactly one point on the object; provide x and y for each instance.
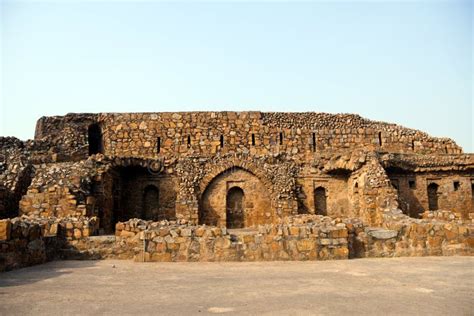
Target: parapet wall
(151, 135)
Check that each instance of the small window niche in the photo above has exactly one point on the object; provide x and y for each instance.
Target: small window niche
(189, 141)
(456, 185)
(314, 142)
(222, 141)
(253, 139)
(281, 138)
(158, 144)
(412, 184)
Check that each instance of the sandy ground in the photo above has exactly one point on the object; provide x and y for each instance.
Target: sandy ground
(399, 286)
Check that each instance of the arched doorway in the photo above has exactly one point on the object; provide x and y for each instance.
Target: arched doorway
(433, 196)
(235, 208)
(218, 194)
(150, 203)
(320, 204)
(94, 138)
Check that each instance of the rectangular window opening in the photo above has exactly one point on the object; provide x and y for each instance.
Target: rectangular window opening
(189, 141)
(253, 139)
(380, 139)
(222, 141)
(281, 138)
(158, 144)
(314, 142)
(456, 185)
(412, 184)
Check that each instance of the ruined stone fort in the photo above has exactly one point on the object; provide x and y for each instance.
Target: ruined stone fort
(231, 186)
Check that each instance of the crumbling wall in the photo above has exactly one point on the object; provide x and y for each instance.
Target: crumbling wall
(66, 136)
(26, 241)
(401, 235)
(371, 191)
(15, 175)
(62, 189)
(319, 239)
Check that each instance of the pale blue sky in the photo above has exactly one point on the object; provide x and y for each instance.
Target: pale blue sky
(405, 62)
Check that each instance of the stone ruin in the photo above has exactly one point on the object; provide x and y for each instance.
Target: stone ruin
(231, 186)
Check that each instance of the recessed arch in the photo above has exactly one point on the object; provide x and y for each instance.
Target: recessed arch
(235, 212)
(236, 193)
(232, 165)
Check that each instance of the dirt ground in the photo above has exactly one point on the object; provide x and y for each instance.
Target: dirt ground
(397, 286)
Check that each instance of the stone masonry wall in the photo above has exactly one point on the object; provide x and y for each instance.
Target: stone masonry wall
(26, 241)
(316, 238)
(404, 236)
(256, 133)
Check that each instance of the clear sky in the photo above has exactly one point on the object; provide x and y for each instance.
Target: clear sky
(407, 62)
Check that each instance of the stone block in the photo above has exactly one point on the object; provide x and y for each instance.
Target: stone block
(5, 227)
(306, 244)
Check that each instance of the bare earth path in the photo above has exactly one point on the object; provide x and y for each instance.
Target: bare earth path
(399, 286)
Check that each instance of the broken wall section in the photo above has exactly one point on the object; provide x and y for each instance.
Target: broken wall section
(402, 236)
(62, 189)
(26, 241)
(16, 173)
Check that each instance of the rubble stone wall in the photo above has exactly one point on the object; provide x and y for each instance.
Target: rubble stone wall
(207, 133)
(26, 241)
(318, 240)
(454, 191)
(408, 237)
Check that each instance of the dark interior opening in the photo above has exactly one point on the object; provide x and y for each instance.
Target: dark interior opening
(94, 138)
(235, 208)
(456, 185)
(320, 203)
(432, 196)
(150, 208)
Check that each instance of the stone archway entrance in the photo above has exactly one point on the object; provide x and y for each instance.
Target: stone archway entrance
(235, 208)
(235, 198)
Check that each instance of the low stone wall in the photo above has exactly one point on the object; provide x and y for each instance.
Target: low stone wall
(441, 215)
(26, 241)
(408, 237)
(319, 239)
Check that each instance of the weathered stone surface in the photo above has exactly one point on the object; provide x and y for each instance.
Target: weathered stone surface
(302, 186)
(378, 233)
